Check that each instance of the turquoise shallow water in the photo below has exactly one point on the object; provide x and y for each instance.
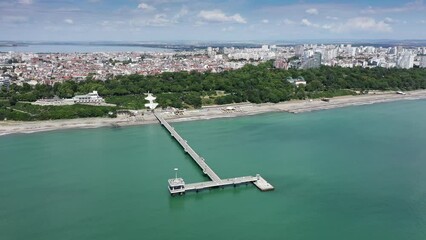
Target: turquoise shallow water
(352, 173)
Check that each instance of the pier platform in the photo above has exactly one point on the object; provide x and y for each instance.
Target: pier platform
(178, 185)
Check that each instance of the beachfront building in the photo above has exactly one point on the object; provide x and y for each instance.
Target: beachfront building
(53, 102)
(90, 98)
(296, 81)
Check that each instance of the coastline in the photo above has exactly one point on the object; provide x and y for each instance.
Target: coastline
(209, 112)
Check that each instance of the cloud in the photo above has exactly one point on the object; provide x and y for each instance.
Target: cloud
(287, 22)
(265, 21)
(417, 5)
(145, 7)
(220, 17)
(389, 20)
(25, 2)
(52, 28)
(107, 23)
(312, 11)
(306, 22)
(159, 20)
(67, 10)
(14, 19)
(369, 10)
(368, 24)
(362, 24)
(182, 12)
(228, 29)
(69, 21)
(332, 18)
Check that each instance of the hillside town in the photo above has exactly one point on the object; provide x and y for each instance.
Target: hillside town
(49, 68)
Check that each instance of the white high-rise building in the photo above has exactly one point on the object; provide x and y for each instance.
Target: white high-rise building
(298, 50)
(329, 54)
(370, 50)
(406, 60)
(423, 61)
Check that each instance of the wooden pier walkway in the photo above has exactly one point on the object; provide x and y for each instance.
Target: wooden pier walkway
(178, 186)
(199, 160)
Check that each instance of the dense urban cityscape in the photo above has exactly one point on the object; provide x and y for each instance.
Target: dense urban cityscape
(49, 68)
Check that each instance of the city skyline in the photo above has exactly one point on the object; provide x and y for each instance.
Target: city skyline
(174, 20)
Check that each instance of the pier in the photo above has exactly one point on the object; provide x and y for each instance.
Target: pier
(178, 185)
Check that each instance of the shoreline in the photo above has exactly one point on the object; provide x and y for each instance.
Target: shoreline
(209, 112)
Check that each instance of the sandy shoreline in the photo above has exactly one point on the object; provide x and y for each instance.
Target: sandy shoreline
(210, 112)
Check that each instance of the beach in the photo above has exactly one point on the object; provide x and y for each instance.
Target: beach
(209, 112)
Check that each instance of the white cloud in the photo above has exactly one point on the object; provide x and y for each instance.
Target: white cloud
(265, 21)
(219, 16)
(369, 10)
(69, 21)
(107, 23)
(368, 24)
(145, 7)
(182, 12)
(307, 23)
(389, 20)
(159, 20)
(228, 29)
(327, 26)
(14, 19)
(52, 28)
(332, 18)
(25, 2)
(417, 5)
(287, 22)
(312, 11)
(357, 24)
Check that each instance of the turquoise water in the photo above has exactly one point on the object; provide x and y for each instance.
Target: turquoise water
(352, 173)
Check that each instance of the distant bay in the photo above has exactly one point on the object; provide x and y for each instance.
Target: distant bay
(78, 48)
(351, 173)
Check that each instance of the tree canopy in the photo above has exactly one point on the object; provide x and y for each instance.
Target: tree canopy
(256, 84)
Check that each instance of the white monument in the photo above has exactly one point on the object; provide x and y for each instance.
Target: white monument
(151, 105)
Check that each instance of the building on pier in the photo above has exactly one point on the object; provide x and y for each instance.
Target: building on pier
(176, 186)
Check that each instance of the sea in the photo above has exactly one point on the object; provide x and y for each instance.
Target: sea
(78, 48)
(351, 173)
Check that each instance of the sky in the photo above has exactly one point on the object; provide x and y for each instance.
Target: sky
(210, 20)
